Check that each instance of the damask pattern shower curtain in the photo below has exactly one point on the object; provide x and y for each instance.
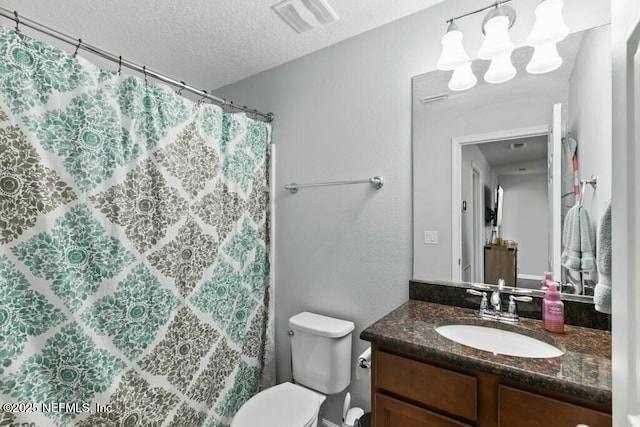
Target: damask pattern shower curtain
(134, 264)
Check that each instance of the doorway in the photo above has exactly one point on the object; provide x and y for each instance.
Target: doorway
(468, 253)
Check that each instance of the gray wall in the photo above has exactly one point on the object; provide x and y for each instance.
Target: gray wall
(344, 112)
(525, 220)
(590, 116)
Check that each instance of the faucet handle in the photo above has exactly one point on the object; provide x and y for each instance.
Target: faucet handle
(512, 302)
(484, 303)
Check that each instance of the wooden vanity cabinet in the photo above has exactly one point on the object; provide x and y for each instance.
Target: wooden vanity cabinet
(408, 391)
(501, 262)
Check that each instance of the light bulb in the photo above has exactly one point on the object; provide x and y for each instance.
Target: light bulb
(463, 78)
(453, 53)
(496, 40)
(549, 25)
(545, 59)
(500, 70)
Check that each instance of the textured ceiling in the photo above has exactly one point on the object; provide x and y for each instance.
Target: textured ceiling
(206, 43)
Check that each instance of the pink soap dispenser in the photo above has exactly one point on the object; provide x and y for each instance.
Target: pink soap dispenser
(544, 284)
(553, 310)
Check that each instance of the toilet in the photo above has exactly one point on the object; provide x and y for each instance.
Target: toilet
(321, 365)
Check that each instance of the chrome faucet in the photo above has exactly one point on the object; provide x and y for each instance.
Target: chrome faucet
(496, 302)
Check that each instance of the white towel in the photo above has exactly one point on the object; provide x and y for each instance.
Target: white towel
(602, 292)
(578, 241)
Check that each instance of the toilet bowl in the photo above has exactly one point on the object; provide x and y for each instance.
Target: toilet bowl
(284, 405)
(321, 365)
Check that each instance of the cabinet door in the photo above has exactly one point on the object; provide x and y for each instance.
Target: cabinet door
(437, 388)
(523, 409)
(500, 263)
(391, 412)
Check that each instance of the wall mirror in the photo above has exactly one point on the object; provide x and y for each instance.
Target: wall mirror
(488, 166)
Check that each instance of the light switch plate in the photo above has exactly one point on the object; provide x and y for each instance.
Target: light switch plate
(430, 237)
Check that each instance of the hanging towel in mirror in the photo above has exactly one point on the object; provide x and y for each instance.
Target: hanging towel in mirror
(570, 183)
(602, 292)
(578, 241)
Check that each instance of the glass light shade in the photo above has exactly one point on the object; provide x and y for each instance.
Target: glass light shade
(496, 40)
(500, 70)
(463, 78)
(549, 25)
(545, 59)
(453, 53)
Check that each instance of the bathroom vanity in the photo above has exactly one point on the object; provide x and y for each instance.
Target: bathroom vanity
(420, 378)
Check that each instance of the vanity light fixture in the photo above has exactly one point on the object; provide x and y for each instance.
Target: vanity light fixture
(547, 31)
(497, 46)
(549, 25)
(495, 27)
(545, 59)
(500, 70)
(463, 78)
(453, 53)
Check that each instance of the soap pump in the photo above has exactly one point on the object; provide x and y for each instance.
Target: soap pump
(548, 278)
(553, 310)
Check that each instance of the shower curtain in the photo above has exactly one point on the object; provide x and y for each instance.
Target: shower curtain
(134, 248)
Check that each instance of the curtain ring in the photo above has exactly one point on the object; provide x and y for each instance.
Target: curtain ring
(120, 65)
(179, 91)
(144, 71)
(201, 100)
(231, 107)
(17, 19)
(77, 47)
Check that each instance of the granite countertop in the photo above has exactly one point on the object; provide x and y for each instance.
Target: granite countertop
(584, 371)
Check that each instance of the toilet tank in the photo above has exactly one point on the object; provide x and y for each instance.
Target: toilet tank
(321, 352)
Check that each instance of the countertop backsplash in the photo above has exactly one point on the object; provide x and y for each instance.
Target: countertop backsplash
(576, 313)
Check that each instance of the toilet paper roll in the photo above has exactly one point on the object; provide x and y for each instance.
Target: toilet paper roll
(363, 367)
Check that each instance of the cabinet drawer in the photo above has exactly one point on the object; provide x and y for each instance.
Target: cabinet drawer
(520, 408)
(434, 387)
(391, 412)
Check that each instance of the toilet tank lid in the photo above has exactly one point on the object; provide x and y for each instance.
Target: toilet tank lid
(320, 325)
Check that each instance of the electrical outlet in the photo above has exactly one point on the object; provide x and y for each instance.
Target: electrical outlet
(430, 237)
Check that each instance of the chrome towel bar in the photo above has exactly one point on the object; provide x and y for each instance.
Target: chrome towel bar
(376, 182)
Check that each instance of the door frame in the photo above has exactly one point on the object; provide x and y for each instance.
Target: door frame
(624, 215)
(457, 143)
(477, 199)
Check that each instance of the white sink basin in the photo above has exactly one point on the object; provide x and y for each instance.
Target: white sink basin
(499, 341)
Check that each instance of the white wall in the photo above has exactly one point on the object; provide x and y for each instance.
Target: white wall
(471, 156)
(589, 118)
(344, 112)
(625, 212)
(525, 220)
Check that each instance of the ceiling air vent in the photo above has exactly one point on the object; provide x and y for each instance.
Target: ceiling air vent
(305, 15)
(517, 145)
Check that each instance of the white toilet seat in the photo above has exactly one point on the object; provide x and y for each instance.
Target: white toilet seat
(284, 405)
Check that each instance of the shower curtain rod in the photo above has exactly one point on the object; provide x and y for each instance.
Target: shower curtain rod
(79, 44)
